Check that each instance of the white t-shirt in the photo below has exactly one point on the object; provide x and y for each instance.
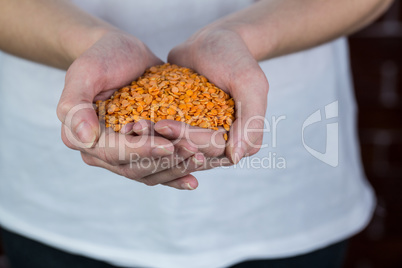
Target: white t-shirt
(304, 191)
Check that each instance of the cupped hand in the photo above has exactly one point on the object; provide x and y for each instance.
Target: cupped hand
(220, 54)
(208, 148)
(112, 62)
(141, 158)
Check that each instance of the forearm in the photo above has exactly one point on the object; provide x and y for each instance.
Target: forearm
(53, 32)
(272, 28)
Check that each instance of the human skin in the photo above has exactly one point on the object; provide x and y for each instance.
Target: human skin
(99, 58)
(61, 35)
(227, 52)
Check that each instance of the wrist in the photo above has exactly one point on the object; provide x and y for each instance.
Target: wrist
(252, 35)
(261, 41)
(76, 40)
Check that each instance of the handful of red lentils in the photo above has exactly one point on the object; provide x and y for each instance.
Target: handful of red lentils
(169, 92)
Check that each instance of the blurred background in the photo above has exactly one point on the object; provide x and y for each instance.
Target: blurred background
(376, 59)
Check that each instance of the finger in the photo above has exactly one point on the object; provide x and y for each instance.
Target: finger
(245, 135)
(187, 182)
(67, 138)
(129, 171)
(184, 149)
(80, 117)
(75, 109)
(71, 140)
(127, 129)
(146, 167)
(180, 56)
(144, 127)
(142, 165)
(207, 141)
(214, 162)
(116, 149)
(178, 171)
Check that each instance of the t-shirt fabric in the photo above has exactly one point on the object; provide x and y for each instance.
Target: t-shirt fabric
(302, 192)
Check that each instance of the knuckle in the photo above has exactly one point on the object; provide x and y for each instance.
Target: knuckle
(65, 139)
(69, 145)
(105, 154)
(224, 161)
(149, 182)
(126, 173)
(130, 172)
(179, 171)
(88, 159)
(253, 151)
(215, 152)
(256, 123)
(63, 108)
(253, 73)
(254, 145)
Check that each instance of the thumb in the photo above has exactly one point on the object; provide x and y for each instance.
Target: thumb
(179, 55)
(76, 111)
(246, 133)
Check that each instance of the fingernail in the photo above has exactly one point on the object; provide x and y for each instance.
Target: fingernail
(138, 128)
(162, 151)
(127, 129)
(198, 159)
(166, 130)
(85, 134)
(238, 153)
(187, 186)
(189, 151)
